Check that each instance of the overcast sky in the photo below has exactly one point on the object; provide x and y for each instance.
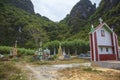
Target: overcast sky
(56, 10)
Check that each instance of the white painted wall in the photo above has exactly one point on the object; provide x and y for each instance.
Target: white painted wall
(106, 40)
(104, 50)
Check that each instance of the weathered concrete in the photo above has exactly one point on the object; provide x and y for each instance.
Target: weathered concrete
(108, 64)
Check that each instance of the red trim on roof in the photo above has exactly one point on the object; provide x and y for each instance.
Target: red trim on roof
(100, 25)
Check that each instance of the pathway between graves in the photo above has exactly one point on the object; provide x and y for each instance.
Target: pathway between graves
(49, 72)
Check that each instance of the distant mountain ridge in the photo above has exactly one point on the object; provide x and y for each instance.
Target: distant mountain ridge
(79, 15)
(108, 10)
(22, 4)
(19, 22)
(83, 9)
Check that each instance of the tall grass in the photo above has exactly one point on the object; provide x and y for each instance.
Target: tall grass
(9, 72)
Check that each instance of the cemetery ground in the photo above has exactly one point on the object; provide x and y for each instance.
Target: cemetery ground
(24, 68)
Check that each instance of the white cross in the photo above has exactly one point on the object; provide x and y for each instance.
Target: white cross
(40, 43)
(16, 43)
(92, 26)
(100, 19)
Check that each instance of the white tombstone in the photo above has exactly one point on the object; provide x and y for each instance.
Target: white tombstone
(1, 56)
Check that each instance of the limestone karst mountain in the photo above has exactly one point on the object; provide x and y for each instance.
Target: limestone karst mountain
(19, 22)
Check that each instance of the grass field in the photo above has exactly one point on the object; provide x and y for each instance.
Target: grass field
(13, 70)
(88, 73)
(8, 71)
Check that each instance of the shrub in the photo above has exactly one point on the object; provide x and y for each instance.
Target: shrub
(89, 69)
(5, 49)
(21, 51)
(25, 51)
(55, 56)
(75, 46)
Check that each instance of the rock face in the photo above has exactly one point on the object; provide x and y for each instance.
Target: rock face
(109, 4)
(80, 14)
(23, 4)
(109, 11)
(83, 9)
(112, 3)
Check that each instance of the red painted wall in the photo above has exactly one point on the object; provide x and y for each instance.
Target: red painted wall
(104, 57)
(112, 44)
(96, 46)
(116, 42)
(91, 46)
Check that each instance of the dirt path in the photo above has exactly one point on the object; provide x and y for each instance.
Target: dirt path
(36, 74)
(43, 72)
(49, 72)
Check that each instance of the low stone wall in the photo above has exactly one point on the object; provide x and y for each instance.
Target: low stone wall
(107, 64)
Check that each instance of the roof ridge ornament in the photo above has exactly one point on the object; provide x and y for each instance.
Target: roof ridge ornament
(92, 28)
(101, 20)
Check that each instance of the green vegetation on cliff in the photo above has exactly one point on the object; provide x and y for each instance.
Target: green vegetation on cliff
(108, 10)
(28, 28)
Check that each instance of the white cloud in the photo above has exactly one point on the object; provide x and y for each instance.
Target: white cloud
(54, 9)
(96, 1)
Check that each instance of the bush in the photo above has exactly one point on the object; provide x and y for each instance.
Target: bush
(25, 51)
(75, 46)
(55, 56)
(5, 49)
(21, 51)
(89, 69)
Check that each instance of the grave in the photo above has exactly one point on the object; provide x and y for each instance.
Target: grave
(41, 54)
(1, 56)
(13, 52)
(60, 55)
(46, 54)
(38, 55)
